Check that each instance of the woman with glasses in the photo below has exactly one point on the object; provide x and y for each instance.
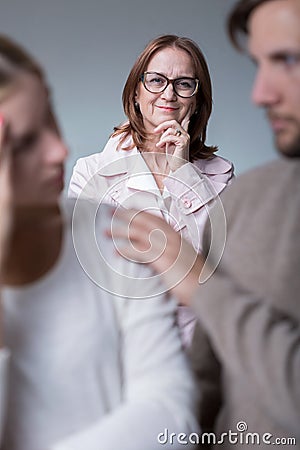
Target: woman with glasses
(158, 160)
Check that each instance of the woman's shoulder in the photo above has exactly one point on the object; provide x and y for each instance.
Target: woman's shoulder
(109, 148)
(214, 165)
(111, 152)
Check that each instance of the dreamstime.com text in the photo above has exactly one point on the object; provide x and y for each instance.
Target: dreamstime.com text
(239, 437)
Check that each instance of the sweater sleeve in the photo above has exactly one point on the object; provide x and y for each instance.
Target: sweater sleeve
(255, 342)
(4, 368)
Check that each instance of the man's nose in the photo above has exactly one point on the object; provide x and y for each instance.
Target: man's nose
(265, 89)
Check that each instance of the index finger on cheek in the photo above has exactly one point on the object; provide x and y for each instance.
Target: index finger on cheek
(186, 120)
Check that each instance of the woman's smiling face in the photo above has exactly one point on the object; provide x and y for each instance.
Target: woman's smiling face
(167, 105)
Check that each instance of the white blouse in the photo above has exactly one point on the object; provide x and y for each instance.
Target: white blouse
(91, 370)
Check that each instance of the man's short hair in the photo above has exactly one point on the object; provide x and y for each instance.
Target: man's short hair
(237, 23)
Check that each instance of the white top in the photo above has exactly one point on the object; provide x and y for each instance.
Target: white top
(91, 370)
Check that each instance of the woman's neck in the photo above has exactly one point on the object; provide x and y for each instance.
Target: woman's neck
(149, 145)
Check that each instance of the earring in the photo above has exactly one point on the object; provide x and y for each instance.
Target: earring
(137, 107)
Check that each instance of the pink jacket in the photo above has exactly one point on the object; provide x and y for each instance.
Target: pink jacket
(121, 177)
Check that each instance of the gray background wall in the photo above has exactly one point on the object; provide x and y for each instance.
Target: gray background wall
(89, 46)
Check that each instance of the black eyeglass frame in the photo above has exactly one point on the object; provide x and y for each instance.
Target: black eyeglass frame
(173, 81)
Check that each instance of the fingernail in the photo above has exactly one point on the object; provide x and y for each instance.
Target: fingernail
(1, 120)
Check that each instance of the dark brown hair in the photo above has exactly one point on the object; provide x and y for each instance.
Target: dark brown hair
(198, 123)
(237, 23)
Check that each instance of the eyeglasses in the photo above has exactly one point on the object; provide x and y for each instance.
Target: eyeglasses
(156, 83)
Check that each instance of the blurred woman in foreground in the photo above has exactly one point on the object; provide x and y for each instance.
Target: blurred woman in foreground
(88, 368)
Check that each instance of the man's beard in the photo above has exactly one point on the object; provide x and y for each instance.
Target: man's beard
(289, 149)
